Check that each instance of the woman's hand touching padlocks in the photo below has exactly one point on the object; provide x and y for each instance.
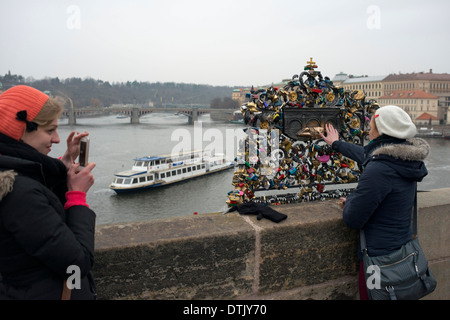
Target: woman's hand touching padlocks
(332, 134)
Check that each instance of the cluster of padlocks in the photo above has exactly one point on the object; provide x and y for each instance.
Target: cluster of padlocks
(283, 147)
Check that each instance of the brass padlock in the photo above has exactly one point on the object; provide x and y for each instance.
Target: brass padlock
(358, 95)
(293, 96)
(330, 96)
(264, 124)
(351, 177)
(251, 106)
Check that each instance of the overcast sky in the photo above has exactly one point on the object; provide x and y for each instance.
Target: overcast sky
(226, 42)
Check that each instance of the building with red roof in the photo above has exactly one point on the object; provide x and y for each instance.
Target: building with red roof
(415, 102)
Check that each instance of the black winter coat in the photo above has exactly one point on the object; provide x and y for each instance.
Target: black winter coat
(382, 202)
(39, 240)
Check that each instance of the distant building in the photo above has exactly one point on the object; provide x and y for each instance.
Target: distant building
(371, 85)
(339, 79)
(239, 95)
(421, 106)
(427, 119)
(437, 85)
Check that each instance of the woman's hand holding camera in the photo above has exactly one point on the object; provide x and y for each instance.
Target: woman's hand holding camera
(80, 180)
(73, 148)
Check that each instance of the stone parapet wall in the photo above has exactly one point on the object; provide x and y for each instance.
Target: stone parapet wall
(310, 255)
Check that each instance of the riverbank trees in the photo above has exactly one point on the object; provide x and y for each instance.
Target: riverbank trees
(84, 92)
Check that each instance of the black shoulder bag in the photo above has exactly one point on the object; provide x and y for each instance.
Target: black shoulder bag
(400, 275)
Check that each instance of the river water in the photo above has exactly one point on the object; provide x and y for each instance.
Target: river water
(115, 143)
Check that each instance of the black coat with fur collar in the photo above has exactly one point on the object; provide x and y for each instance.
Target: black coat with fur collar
(383, 200)
(39, 240)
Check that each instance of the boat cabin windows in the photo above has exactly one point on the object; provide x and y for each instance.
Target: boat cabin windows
(154, 163)
(175, 172)
(145, 178)
(133, 180)
(143, 164)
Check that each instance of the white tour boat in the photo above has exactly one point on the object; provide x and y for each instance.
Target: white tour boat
(156, 171)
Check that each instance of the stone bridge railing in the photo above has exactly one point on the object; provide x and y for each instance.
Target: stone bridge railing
(310, 255)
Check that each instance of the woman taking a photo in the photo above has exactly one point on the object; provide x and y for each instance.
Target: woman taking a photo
(46, 227)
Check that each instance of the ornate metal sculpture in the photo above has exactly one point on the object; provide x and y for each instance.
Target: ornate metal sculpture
(284, 149)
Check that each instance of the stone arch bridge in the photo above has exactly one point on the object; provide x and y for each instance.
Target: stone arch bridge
(135, 113)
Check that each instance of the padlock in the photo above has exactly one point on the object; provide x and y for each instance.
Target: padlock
(292, 96)
(264, 124)
(330, 97)
(351, 177)
(315, 163)
(252, 107)
(358, 95)
(276, 118)
(324, 158)
(320, 188)
(350, 164)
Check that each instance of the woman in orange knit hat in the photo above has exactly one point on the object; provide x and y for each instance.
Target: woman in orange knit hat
(46, 227)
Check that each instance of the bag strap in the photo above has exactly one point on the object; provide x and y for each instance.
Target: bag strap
(66, 292)
(414, 221)
(362, 240)
(362, 237)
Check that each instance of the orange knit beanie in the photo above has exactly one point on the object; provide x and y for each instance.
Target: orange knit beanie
(12, 102)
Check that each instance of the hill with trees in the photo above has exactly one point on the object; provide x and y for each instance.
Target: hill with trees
(97, 93)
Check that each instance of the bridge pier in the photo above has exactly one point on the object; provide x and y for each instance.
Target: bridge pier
(193, 117)
(134, 118)
(72, 118)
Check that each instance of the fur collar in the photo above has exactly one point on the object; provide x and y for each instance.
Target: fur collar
(415, 149)
(7, 179)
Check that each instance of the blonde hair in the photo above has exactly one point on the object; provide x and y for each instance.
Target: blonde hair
(50, 111)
